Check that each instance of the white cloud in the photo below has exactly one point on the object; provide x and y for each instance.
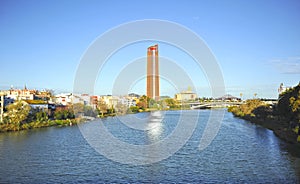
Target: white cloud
(289, 65)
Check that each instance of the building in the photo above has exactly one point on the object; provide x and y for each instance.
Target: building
(282, 88)
(134, 95)
(20, 94)
(152, 72)
(64, 99)
(69, 98)
(228, 98)
(94, 101)
(83, 98)
(128, 101)
(109, 100)
(187, 95)
(8, 101)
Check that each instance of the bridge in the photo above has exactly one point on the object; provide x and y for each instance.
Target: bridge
(213, 104)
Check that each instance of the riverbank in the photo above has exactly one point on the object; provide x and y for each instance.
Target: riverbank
(281, 129)
(282, 118)
(42, 124)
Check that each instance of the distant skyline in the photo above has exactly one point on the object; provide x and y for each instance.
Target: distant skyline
(256, 43)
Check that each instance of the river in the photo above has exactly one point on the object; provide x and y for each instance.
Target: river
(240, 153)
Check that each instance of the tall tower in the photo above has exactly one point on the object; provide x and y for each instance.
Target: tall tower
(152, 72)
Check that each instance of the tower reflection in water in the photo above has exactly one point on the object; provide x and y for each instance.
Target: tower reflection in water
(155, 126)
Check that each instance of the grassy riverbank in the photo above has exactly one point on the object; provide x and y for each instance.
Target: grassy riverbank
(283, 118)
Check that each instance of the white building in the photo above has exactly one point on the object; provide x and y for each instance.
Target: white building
(64, 98)
(20, 94)
(69, 98)
(282, 88)
(128, 101)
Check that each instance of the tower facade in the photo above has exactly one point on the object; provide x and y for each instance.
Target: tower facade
(152, 72)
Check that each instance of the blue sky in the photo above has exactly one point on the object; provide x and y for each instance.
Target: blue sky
(257, 43)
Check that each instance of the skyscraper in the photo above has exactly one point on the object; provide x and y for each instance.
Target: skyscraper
(152, 72)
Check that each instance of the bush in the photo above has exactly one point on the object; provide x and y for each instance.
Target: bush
(134, 109)
(246, 109)
(289, 104)
(64, 114)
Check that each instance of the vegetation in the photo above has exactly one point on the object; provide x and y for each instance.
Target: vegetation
(64, 114)
(283, 118)
(17, 113)
(36, 101)
(143, 102)
(246, 109)
(20, 116)
(289, 104)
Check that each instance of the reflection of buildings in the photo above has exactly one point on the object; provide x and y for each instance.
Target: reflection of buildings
(152, 72)
(186, 95)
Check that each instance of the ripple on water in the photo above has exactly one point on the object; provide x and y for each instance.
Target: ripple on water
(240, 153)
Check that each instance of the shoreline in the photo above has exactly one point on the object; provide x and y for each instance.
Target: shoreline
(4, 128)
(279, 127)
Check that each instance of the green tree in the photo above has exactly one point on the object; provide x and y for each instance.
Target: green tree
(133, 109)
(295, 103)
(41, 116)
(64, 114)
(247, 108)
(17, 113)
(170, 102)
(289, 104)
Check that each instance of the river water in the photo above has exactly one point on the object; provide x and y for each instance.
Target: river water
(240, 153)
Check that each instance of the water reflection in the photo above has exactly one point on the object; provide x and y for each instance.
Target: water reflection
(155, 126)
(241, 153)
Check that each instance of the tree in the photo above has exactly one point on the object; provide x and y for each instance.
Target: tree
(89, 111)
(17, 113)
(41, 116)
(170, 102)
(295, 103)
(78, 108)
(143, 102)
(289, 104)
(64, 114)
(133, 109)
(102, 108)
